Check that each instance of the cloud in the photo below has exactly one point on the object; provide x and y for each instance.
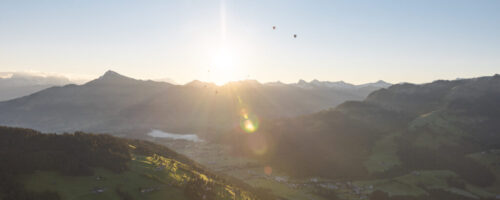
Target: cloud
(5, 75)
(43, 78)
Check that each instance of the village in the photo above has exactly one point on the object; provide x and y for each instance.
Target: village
(218, 158)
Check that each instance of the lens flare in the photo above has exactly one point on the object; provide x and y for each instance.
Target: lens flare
(249, 123)
(268, 170)
(244, 113)
(257, 143)
(249, 127)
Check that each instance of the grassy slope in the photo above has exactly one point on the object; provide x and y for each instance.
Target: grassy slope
(384, 157)
(442, 130)
(492, 160)
(142, 173)
(409, 184)
(219, 159)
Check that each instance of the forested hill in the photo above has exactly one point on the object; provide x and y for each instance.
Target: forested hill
(448, 126)
(88, 166)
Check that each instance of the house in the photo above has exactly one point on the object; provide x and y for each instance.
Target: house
(329, 186)
(146, 190)
(280, 179)
(357, 190)
(98, 190)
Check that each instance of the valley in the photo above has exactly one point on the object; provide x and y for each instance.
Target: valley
(429, 141)
(220, 159)
(250, 100)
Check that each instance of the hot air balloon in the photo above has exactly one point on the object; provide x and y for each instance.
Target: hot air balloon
(274, 27)
(294, 35)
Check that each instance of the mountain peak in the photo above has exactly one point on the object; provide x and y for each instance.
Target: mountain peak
(301, 81)
(199, 84)
(112, 77)
(111, 74)
(380, 83)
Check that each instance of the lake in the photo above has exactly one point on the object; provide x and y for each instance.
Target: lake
(175, 136)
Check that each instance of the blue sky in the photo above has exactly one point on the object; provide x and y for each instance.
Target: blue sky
(355, 41)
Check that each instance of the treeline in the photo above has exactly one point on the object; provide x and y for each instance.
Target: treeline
(148, 148)
(200, 189)
(445, 157)
(22, 151)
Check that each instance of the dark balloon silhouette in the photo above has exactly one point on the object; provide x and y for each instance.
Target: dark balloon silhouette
(274, 27)
(294, 35)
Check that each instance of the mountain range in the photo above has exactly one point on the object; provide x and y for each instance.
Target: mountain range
(438, 140)
(117, 104)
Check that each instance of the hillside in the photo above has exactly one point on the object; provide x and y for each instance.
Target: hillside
(439, 128)
(114, 103)
(87, 166)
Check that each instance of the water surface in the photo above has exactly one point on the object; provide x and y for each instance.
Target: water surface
(175, 136)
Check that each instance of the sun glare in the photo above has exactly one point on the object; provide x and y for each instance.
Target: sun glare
(223, 67)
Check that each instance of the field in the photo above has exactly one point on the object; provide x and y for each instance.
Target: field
(383, 156)
(442, 130)
(492, 160)
(219, 159)
(153, 177)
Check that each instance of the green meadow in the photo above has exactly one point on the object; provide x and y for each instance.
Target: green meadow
(156, 176)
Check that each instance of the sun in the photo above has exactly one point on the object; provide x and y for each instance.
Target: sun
(223, 68)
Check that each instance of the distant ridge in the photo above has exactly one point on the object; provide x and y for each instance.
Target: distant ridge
(395, 131)
(338, 84)
(116, 103)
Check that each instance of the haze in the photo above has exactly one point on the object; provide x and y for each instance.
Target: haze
(249, 100)
(220, 41)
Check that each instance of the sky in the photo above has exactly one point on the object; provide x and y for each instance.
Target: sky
(224, 40)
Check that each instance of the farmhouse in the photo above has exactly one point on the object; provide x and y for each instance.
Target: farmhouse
(146, 190)
(98, 190)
